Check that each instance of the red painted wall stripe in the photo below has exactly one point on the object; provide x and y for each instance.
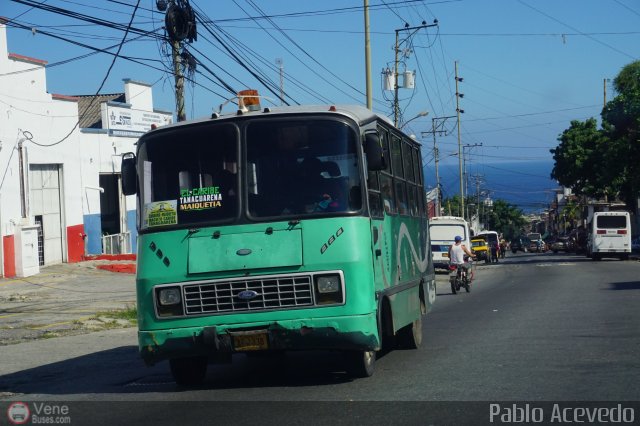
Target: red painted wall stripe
(9, 251)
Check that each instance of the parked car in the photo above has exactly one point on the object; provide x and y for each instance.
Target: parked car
(480, 248)
(520, 244)
(635, 244)
(561, 244)
(537, 246)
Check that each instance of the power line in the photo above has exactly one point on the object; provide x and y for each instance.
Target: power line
(104, 80)
(575, 29)
(533, 113)
(307, 54)
(200, 16)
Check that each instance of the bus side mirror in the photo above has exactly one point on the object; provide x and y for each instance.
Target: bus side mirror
(374, 152)
(129, 175)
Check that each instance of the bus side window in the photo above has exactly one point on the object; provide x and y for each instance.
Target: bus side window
(388, 200)
(407, 153)
(375, 204)
(401, 194)
(396, 156)
(411, 196)
(375, 201)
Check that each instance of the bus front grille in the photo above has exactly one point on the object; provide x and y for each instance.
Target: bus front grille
(248, 295)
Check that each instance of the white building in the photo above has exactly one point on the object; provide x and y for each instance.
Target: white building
(59, 175)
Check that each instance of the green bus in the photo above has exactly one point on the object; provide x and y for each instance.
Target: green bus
(277, 229)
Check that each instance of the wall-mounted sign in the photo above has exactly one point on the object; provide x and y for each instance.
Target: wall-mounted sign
(132, 120)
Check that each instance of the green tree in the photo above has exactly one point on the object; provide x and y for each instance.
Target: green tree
(582, 161)
(605, 162)
(571, 213)
(506, 219)
(621, 122)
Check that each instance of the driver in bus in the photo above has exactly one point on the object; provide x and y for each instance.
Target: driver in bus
(457, 253)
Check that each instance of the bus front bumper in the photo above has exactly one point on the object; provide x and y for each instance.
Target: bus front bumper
(338, 333)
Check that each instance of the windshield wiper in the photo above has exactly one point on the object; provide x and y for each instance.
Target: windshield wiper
(190, 232)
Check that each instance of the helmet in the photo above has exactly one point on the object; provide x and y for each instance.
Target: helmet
(458, 238)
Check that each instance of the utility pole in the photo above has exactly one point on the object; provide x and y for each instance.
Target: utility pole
(464, 164)
(478, 178)
(281, 70)
(459, 111)
(396, 104)
(437, 127)
(436, 159)
(604, 86)
(367, 55)
(179, 79)
(180, 24)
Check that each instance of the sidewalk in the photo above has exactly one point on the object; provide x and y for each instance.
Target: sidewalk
(64, 299)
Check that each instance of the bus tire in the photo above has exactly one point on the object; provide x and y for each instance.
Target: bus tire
(189, 371)
(360, 363)
(410, 336)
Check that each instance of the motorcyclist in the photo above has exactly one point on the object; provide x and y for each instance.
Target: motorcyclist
(457, 253)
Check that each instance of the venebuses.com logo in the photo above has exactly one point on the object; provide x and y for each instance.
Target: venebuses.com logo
(18, 413)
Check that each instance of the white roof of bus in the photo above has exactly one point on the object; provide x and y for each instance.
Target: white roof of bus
(358, 113)
(450, 219)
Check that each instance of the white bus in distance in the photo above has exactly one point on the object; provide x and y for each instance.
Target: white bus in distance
(442, 231)
(609, 235)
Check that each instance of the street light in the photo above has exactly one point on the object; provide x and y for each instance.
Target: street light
(420, 114)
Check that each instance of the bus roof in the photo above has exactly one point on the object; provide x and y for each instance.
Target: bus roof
(458, 218)
(358, 113)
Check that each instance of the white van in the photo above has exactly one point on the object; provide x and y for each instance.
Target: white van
(491, 236)
(442, 231)
(609, 235)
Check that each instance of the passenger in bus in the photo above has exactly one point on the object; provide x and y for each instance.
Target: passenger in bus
(226, 178)
(387, 197)
(323, 187)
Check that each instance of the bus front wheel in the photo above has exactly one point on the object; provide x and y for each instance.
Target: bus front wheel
(189, 371)
(360, 363)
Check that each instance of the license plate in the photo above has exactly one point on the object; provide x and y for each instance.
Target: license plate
(251, 342)
(445, 254)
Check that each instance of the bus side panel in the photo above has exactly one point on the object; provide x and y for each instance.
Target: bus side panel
(402, 265)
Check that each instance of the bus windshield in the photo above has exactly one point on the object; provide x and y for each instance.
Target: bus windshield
(191, 176)
(301, 167)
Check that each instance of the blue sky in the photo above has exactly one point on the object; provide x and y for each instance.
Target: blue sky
(529, 66)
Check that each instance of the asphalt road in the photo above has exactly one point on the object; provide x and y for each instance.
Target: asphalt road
(535, 327)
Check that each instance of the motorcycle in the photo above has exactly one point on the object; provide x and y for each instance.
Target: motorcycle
(458, 277)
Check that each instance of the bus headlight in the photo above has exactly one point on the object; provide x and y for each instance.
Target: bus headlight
(328, 284)
(169, 296)
(328, 289)
(169, 302)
